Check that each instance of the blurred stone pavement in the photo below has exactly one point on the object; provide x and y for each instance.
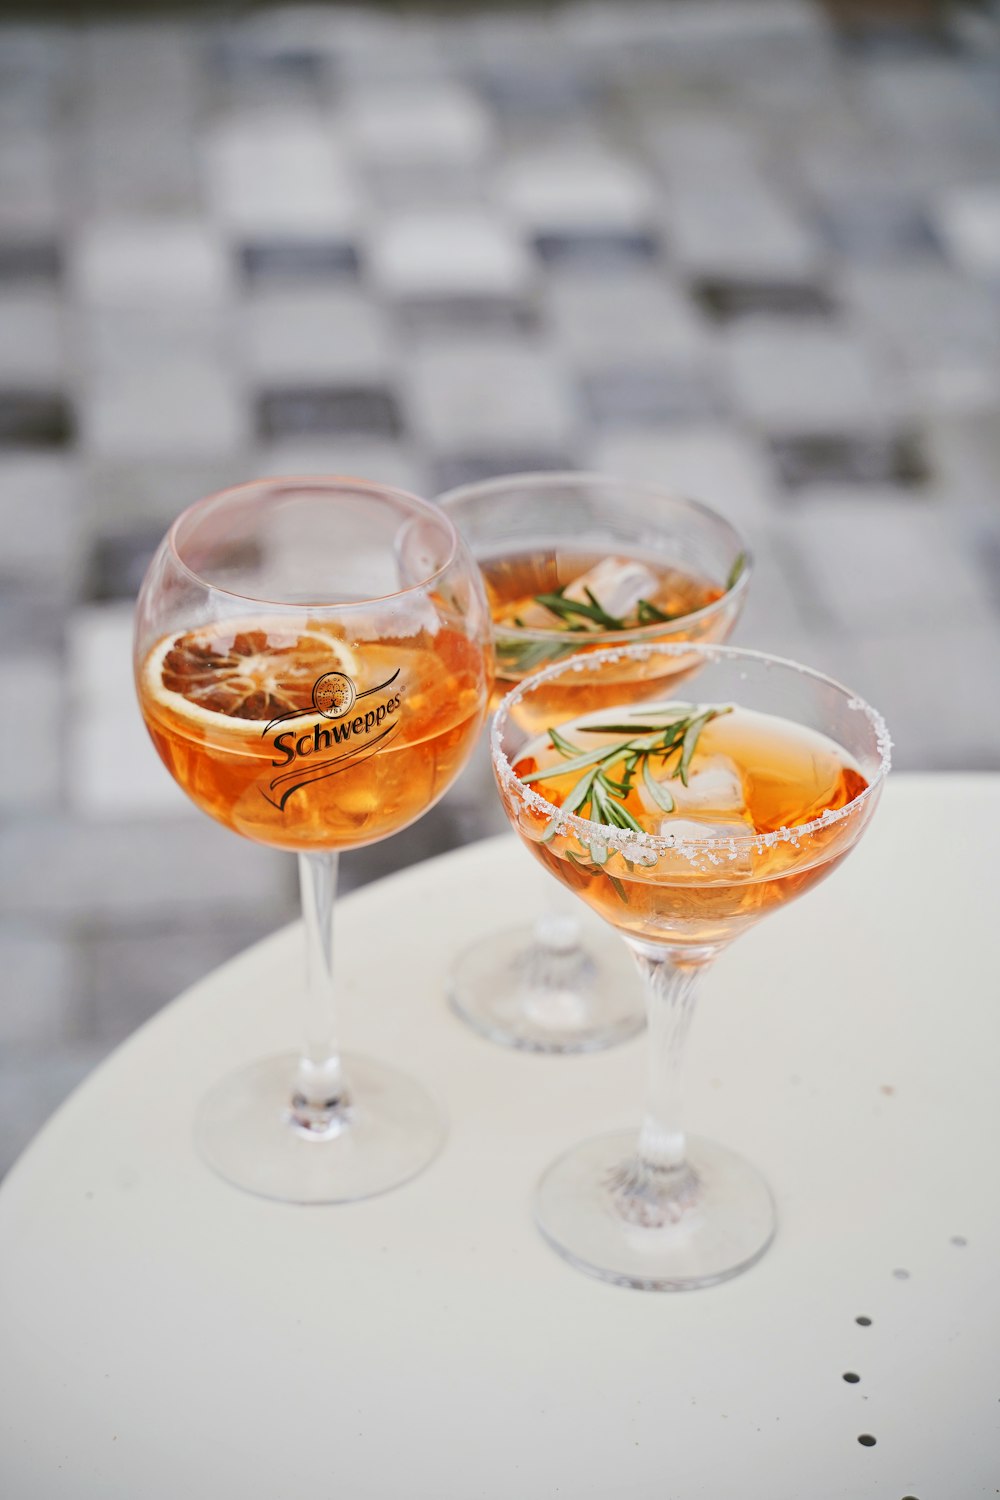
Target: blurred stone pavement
(731, 245)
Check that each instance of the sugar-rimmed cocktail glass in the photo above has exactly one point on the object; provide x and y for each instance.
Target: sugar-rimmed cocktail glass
(701, 816)
(313, 664)
(541, 987)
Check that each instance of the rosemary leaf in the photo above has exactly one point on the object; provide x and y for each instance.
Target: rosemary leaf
(650, 614)
(736, 571)
(659, 794)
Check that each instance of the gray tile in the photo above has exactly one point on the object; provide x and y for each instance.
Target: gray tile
(27, 259)
(296, 260)
(878, 226)
(637, 395)
(31, 1089)
(31, 766)
(134, 974)
(127, 870)
(963, 732)
(41, 1001)
(852, 458)
(607, 250)
(729, 297)
(35, 419)
(328, 410)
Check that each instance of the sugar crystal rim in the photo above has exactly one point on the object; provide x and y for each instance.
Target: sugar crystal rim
(624, 839)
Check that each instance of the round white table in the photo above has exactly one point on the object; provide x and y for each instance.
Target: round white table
(164, 1335)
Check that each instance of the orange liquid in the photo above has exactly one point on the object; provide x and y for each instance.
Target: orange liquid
(514, 580)
(333, 780)
(787, 776)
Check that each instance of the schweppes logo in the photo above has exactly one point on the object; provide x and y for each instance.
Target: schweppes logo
(357, 724)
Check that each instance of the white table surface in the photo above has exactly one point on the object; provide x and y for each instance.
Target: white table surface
(163, 1335)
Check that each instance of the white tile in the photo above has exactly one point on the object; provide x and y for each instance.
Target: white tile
(280, 173)
(797, 378)
(116, 341)
(565, 190)
(40, 503)
(411, 125)
(968, 219)
(478, 396)
(716, 465)
(740, 228)
(30, 202)
(293, 337)
(186, 407)
(384, 462)
(449, 253)
(147, 261)
(113, 768)
(33, 691)
(691, 148)
(33, 348)
(599, 320)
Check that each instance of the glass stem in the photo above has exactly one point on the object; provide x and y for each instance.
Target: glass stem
(319, 1102)
(656, 1186)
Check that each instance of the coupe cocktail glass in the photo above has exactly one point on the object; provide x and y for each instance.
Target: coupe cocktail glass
(682, 821)
(576, 562)
(313, 664)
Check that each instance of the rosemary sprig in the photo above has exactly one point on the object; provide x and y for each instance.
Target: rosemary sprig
(649, 613)
(736, 571)
(604, 794)
(570, 610)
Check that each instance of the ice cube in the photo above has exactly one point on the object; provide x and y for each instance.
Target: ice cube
(717, 785)
(722, 852)
(617, 583)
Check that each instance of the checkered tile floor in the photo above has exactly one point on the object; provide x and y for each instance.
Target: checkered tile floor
(719, 243)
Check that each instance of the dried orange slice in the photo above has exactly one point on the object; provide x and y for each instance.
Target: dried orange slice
(246, 672)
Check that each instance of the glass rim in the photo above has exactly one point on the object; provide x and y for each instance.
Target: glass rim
(552, 479)
(621, 839)
(342, 482)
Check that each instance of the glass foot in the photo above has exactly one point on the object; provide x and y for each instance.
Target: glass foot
(663, 1230)
(388, 1130)
(548, 997)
